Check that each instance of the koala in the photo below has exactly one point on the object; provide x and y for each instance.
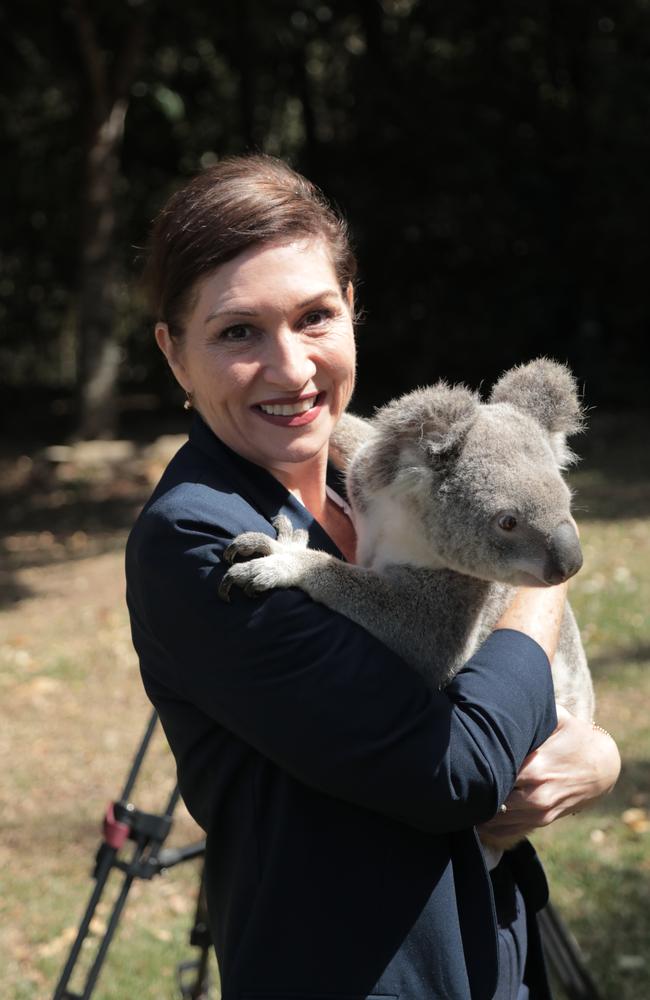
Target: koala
(456, 502)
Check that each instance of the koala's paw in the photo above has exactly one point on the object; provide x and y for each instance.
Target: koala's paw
(250, 545)
(276, 568)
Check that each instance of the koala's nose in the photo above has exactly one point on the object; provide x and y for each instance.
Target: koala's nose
(565, 555)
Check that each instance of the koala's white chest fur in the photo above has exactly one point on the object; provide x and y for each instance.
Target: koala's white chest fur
(390, 533)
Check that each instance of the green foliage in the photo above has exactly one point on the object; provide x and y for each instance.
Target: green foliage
(491, 158)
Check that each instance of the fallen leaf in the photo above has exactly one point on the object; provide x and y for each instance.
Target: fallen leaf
(161, 934)
(180, 904)
(57, 944)
(97, 926)
(636, 819)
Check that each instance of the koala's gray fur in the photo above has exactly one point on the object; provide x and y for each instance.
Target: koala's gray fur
(434, 481)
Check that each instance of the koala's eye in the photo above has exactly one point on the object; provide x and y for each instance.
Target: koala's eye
(507, 522)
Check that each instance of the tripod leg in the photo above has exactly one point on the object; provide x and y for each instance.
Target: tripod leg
(101, 875)
(199, 988)
(118, 906)
(115, 833)
(124, 822)
(564, 957)
(139, 757)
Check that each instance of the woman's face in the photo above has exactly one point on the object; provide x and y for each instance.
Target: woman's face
(268, 352)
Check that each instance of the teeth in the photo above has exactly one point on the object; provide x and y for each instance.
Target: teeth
(288, 410)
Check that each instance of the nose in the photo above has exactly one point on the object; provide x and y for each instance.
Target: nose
(565, 555)
(288, 363)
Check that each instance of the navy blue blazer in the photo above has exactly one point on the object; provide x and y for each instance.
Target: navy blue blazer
(339, 794)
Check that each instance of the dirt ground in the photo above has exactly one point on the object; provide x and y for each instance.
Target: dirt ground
(72, 708)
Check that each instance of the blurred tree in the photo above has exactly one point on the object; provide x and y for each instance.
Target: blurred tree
(492, 161)
(109, 80)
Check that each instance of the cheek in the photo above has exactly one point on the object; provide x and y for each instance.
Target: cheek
(225, 381)
(341, 377)
(342, 358)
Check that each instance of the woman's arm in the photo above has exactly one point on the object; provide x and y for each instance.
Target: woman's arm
(538, 612)
(575, 767)
(578, 763)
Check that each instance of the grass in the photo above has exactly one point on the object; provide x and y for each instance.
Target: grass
(72, 712)
(598, 863)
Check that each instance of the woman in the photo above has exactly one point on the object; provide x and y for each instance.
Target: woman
(339, 795)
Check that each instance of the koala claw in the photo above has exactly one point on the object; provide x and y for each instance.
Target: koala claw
(287, 535)
(224, 588)
(235, 577)
(248, 545)
(261, 573)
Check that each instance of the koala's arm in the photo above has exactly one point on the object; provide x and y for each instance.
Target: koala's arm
(349, 434)
(397, 606)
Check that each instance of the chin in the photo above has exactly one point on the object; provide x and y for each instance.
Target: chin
(294, 454)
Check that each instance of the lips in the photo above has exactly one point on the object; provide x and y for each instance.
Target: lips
(290, 413)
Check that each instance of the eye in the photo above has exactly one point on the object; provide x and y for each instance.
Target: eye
(236, 334)
(507, 522)
(316, 317)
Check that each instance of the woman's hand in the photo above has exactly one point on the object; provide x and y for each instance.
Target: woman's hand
(575, 767)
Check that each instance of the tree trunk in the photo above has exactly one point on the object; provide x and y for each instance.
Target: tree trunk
(99, 351)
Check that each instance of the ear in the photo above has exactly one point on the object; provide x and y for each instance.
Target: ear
(173, 351)
(429, 414)
(426, 427)
(547, 391)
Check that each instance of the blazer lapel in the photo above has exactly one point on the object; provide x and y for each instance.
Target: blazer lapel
(262, 490)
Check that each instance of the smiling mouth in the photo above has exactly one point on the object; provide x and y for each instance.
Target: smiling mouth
(289, 409)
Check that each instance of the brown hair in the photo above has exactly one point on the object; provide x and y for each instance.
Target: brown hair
(235, 204)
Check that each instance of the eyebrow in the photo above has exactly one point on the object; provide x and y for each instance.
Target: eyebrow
(327, 293)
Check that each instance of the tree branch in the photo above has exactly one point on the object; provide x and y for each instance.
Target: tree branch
(129, 55)
(91, 54)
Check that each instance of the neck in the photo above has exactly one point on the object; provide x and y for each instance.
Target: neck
(306, 480)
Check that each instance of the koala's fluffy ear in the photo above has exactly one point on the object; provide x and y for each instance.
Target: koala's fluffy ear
(429, 422)
(547, 391)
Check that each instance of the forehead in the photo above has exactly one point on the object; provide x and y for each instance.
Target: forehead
(270, 274)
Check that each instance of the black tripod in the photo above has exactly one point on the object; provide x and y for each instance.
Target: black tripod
(149, 831)
(564, 958)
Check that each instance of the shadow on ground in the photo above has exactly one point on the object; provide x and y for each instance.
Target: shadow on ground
(67, 507)
(70, 502)
(612, 479)
(604, 664)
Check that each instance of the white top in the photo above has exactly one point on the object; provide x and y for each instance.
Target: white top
(339, 501)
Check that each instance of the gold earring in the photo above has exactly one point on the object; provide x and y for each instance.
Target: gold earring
(187, 405)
